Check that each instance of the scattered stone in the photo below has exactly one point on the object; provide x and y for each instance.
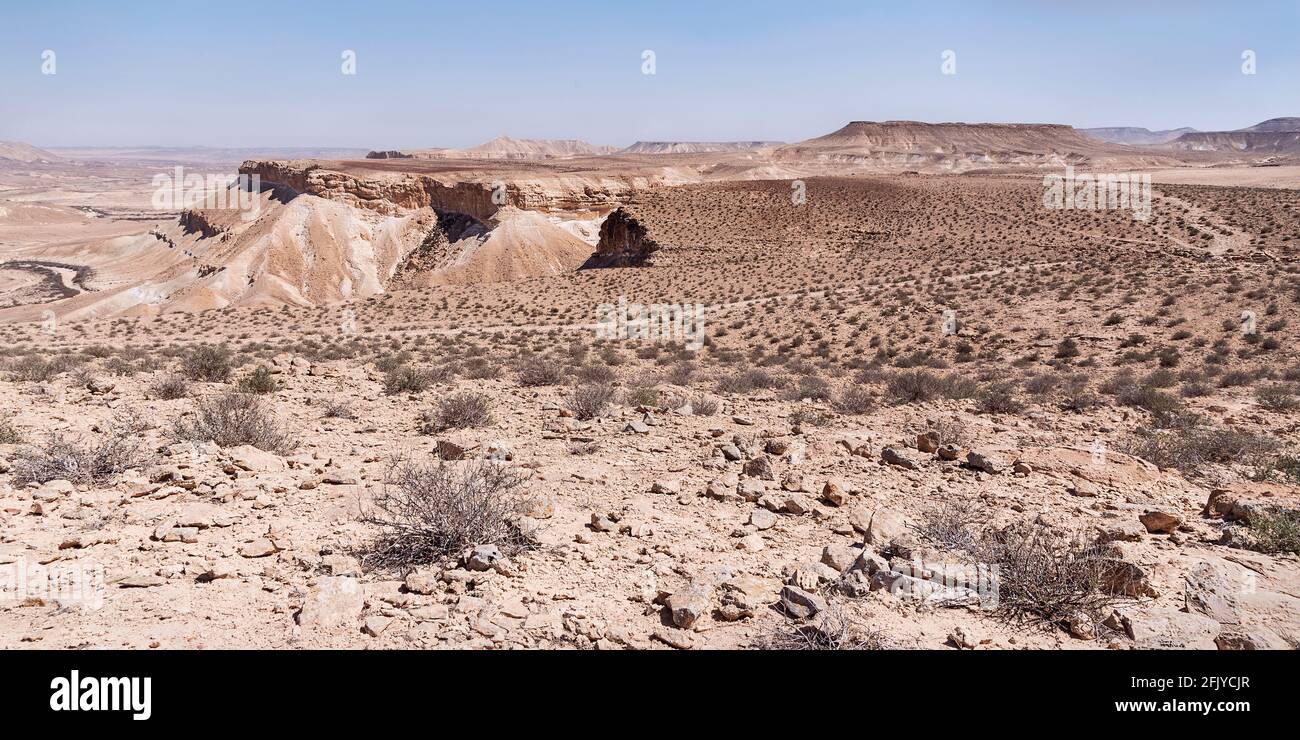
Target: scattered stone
(801, 604)
(1160, 521)
(687, 605)
(335, 601)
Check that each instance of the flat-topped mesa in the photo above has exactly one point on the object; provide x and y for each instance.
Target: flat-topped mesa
(399, 186)
(390, 195)
(624, 242)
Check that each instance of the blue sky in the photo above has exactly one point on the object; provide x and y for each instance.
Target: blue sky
(237, 73)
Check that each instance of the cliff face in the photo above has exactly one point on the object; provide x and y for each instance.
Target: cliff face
(387, 195)
(480, 195)
(1249, 142)
(624, 242)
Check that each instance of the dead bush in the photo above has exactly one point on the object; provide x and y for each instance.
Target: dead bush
(832, 630)
(231, 419)
(119, 447)
(589, 400)
(427, 511)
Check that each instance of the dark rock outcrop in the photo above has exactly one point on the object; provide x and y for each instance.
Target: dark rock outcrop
(624, 242)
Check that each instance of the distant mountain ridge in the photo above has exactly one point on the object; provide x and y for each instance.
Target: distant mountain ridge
(695, 147)
(1135, 135)
(17, 151)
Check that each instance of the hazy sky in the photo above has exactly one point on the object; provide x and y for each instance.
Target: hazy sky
(235, 73)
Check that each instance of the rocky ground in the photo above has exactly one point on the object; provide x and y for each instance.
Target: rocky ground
(903, 380)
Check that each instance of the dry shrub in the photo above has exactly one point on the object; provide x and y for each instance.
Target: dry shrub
(916, 386)
(855, 399)
(1189, 449)
(427, 511)
(464, 410)
(589, 400)
(1040, 575)
(748, 381)
(207, 363)
(1277, 397)
(406, 379)
(1000, 398)
(260, 382)
(35, 369)
(832, 630)
(337, 408)
(231, 419)
(1276, 531)
(170, 388)
(117, 449)
(538, 371)
(9, 434)
(704, 406)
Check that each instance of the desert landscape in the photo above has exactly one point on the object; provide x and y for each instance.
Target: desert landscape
(693, 328)
(376, 403)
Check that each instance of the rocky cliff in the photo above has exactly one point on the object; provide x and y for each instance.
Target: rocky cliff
(624, 242)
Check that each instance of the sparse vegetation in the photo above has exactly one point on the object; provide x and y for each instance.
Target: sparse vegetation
(427, 511)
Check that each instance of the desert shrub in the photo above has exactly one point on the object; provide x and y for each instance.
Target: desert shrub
(704, 406)
(170, 388)
(1067, 349)
(748, 381)
(596, 374)
(918, 386)
(681, 372)
(538, 371)
(810, 387)
(9, 434)
(855, 399)
(259, 382)
(1190, 449)
(427, 511)
(390, 362)
(1277, 397)
(642, 395)
(1040, 575)
(406, 379)
(36, 369)
(1166, 409)
(1076, 395)
(480, 368)
(589, 400)
(1276, 531)
(208, 363)
(1000, 398)
(337, 408)
(1042, 385)
(231, 419)
(833, 630)
(117, 449)
(464, 410)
